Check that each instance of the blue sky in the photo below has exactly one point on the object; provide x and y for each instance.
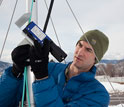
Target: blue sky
(105, 15)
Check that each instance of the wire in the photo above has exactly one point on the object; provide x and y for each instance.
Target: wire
(25, 71)
(53, 25)
(89, 43)
(1, 2)
(23, 94)
(25, 83)
(27, 90)
(54, 29)
(112, 87)
(48, 15)
(8, 29)
(74, 16)
(31, 11)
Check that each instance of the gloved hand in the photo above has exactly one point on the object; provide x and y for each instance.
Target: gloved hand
(39, 58)
(19, 57)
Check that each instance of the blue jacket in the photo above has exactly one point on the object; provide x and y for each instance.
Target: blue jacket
(82, 90)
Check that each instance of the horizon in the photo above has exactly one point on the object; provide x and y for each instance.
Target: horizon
(67, 60)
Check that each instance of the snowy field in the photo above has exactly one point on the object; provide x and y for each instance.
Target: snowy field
(119, 88)
(120, 105)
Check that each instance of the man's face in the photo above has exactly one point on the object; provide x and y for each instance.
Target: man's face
(84, 57)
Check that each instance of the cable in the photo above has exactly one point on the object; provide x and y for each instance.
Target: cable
(23, 94)
(25, 71)
(112, 87)
(89, 43)
(8, 29)
(53, 26)
(31, 11)
(54, 29)
(27, 90)
(48, 16)
(1, 2)
(25, 83)
(74, 16)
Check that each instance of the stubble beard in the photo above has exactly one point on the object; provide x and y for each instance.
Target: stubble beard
(81, 66)
(78, 64)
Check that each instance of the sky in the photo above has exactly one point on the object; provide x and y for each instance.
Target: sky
(104, 15)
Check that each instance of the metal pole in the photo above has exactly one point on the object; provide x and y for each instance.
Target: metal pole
(30, 74)
(34, 18)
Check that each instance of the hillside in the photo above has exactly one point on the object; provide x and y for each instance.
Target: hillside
(3, 65)
(111, 61)
(114, 68)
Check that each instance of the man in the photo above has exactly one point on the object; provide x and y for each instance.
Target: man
(57, 84)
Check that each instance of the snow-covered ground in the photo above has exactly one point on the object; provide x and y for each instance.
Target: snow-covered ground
(119, 88)
(120, 105)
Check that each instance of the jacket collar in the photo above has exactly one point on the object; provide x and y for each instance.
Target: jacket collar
(85, 76)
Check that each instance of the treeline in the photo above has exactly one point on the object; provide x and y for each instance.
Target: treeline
(112, 70)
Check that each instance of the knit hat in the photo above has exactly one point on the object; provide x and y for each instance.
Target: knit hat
(99, 42)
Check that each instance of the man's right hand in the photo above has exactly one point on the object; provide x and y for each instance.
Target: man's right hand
(20, 55)
(39, 57)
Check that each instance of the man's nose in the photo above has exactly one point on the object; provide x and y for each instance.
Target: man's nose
(81, 51)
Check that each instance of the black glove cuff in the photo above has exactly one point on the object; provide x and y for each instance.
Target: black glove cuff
(16, 72)
(40, 75)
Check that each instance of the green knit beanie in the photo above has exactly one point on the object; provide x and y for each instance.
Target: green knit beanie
(99, 42)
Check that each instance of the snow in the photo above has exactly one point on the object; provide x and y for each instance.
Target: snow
(120, 105)
(117, 87)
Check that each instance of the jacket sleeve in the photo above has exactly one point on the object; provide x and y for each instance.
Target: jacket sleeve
(10, 93)
(46, 95)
